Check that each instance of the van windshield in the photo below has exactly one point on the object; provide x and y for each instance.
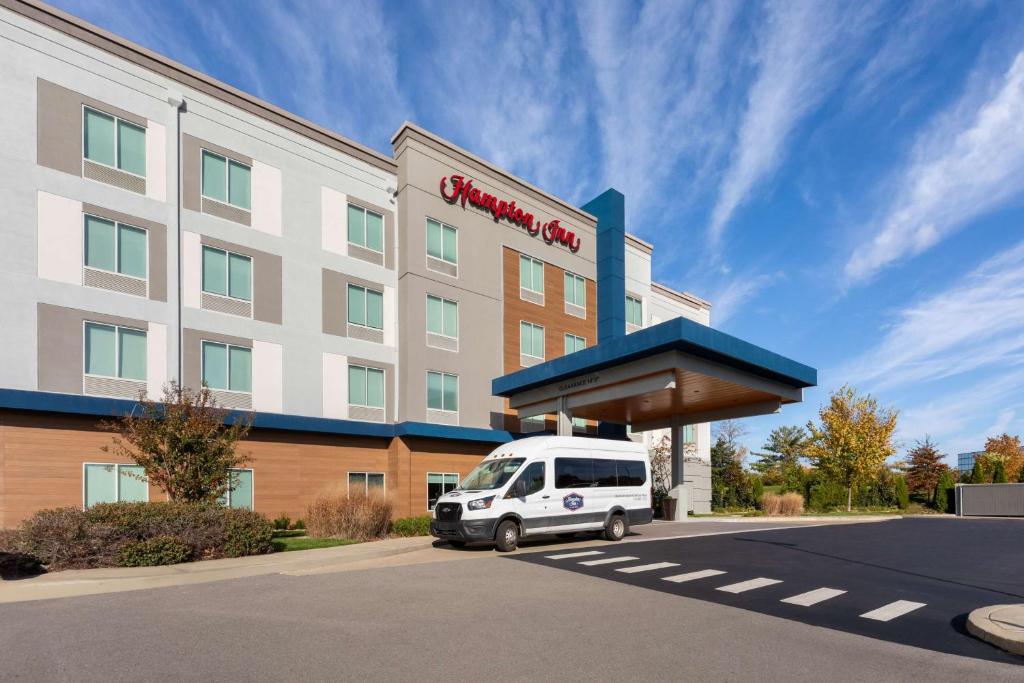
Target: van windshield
(491, 474)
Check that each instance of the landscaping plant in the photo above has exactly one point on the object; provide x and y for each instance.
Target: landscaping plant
(944, 499)
(359, 516)
(185, 443)
(411, 526)
(854, 439)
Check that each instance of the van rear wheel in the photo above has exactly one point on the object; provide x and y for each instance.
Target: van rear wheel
(616, 528)
(507, 538)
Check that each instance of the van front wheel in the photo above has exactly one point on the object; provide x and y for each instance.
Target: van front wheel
(507, 538)
(616, 528)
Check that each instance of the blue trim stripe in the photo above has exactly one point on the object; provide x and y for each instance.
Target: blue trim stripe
(42, 401)
(679, 334)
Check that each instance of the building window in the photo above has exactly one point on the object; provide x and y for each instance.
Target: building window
(442, 242)
(227, 367)
(634, 311)
(226, 180)
(365, 386)
(365, 228)
(114, 351)
(531, 340)
(531, 274)
(365, 307)
(575, 290)
(442, 391)
(365, 482)
(239, 493)
(115, 247)
(689, 434)
(442, 317)
(110, 483)
(574, 344)
(439, 484)
(114, 142)
(227, 274)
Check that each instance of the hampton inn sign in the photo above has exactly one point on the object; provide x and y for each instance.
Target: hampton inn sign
(462, 191)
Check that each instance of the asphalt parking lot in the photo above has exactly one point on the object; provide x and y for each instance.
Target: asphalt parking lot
(909, 581)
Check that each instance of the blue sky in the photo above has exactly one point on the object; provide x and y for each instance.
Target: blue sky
(845, 182)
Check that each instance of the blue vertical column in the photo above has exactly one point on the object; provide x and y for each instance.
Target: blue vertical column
(610, 210)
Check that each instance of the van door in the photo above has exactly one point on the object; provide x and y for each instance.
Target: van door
(533, 506)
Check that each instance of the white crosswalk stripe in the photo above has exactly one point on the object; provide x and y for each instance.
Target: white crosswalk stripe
(647, 567)
(608, 560)
(744, 586)
(566, 556)
(813, 597)
(893, 610)
(693, 576)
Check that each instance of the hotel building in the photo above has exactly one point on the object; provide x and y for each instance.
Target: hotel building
(162, 226)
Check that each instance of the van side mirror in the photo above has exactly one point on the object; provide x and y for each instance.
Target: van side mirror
(519, 488)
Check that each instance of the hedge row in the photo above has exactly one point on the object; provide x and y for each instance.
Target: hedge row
(137, 534)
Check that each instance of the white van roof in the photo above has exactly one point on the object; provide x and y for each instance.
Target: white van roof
(535, 445)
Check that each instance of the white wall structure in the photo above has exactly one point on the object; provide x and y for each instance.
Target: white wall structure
(267, 376)
(266, 198)
(191, 269)
(335, 386)
(156, 360)
(61, 238)
(156, 161)
(333, 221)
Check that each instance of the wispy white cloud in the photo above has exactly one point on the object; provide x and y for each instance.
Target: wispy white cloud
(976, 323)
(970, 163)
(802, 49)
(738, 291)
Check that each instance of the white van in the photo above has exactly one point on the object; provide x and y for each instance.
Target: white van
(548, 485)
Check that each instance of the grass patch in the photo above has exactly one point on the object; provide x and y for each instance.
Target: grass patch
(288, 543)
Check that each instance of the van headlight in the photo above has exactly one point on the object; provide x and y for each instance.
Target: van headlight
(480, 503)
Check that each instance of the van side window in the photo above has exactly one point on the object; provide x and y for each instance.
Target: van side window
(604, 473)
(631, 472)
(534, 478)
(574, 472)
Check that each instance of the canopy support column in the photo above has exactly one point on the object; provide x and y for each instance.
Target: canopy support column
(563, 417)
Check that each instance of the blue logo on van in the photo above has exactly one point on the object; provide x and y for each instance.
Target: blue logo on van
(572, 501)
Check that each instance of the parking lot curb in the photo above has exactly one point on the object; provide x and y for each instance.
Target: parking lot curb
(1001, 625)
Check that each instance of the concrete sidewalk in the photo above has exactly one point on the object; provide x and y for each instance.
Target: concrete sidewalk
(387, 553)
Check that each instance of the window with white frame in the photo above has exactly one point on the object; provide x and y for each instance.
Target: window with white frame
(240, 490)
(365, 307)
(634, 311)
(114, 142)
(115, 351)
(227, 367)
(365, 228)
(365, 386)
(113, 483)
(227, 274)
(438, 484)
(531, 339)
(442, 316)
(442, 391)
(574, 343)
(227, 181)
(575, 290)
(531, 274)
(115, 247)
(689, 434)
(442, 241)
(365, 482)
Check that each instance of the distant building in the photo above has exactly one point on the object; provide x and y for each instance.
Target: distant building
(965, 461)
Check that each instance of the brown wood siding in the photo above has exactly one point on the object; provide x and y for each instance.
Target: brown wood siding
(552, 316)
(41, 457)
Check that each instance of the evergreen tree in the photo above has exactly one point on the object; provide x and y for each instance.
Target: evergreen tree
(783, 450)
(902, 494)
(924, 467)
(944, 492)
(730, 485)
(999, 472)
(978, 473)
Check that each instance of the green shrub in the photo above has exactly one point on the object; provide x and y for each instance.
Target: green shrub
(945, 493)
(757, 488)
(154, 552)
(14, 562)
(902, 493)
(411, 526)
(999, 472)
(67, 538)
(283, 522)
(247, 533)
(826, 495)
(299, 524)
